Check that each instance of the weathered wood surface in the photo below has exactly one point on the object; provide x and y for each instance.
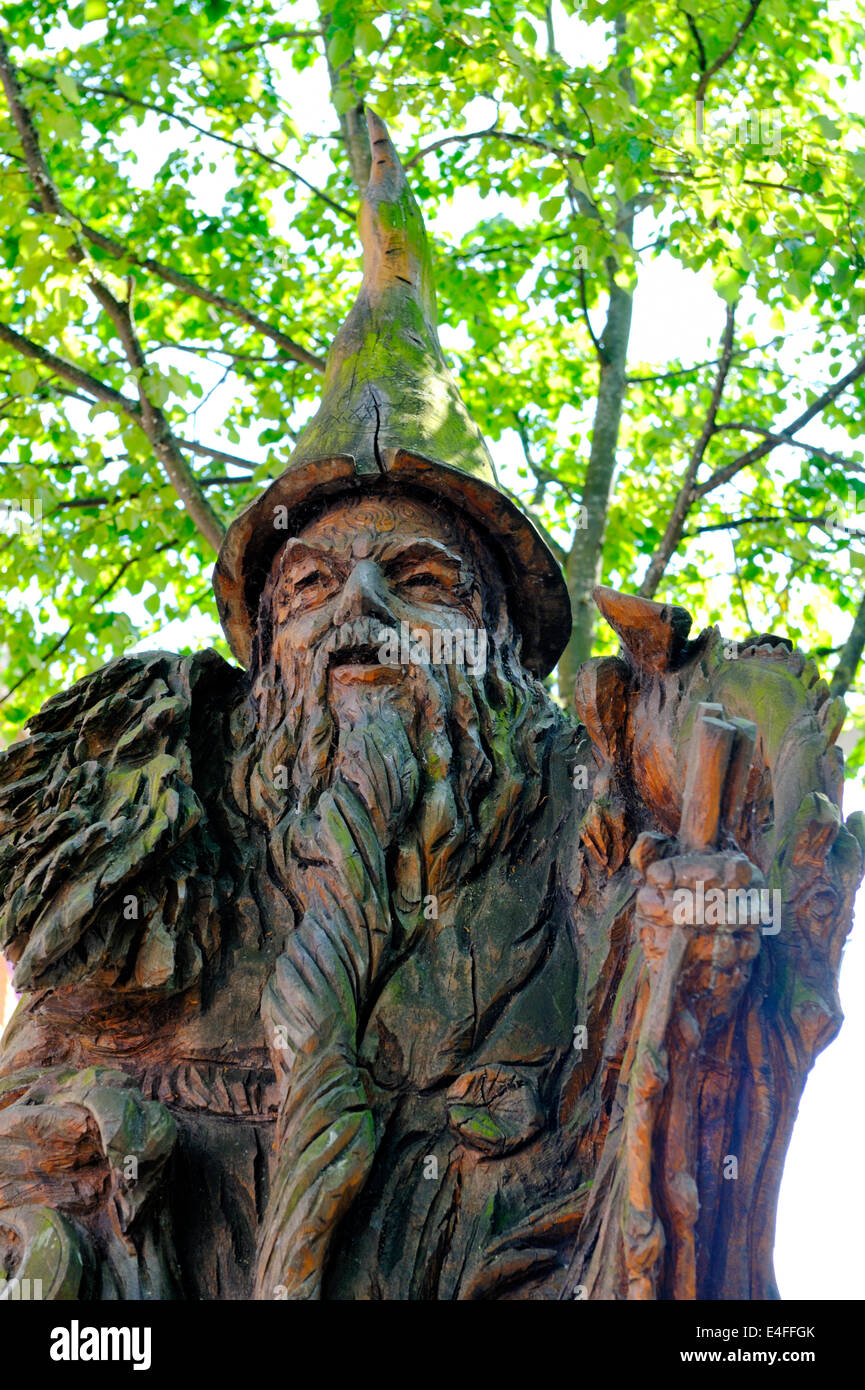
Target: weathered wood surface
(718, 1036)
(218, 890)
(363, 974)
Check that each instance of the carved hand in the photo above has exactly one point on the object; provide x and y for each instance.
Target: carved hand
(713, 898)
(50, 1154)
(701, 897)
(85, 1144)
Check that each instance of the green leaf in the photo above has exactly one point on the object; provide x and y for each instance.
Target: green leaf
(340, 48)
(728, 285)
(23, 381)
(84, 569)
(550, 209)
(367, 39)
(827, 127)
(68, 86)
(343, 100)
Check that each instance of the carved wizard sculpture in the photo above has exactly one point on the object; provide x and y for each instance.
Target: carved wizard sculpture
(348, 977)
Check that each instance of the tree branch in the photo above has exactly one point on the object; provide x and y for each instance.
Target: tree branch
(686, 495)
(118, 94)
(276, 37)
(777, 438)
(851, 655)
(504, 248)
(599, 351)
(67, 371)
(98, 390)
(698, 367)
(729, 470)
(542, 474)
(151, 417)
(211, 350)
(224, 482)
(120, 251)
(698, 38)
(585, 558)
(739, 583)
(48, 198)
(208, 452)
(52, 651)
(797, 518)
(493, 132)
(742, 30)
(713, 182)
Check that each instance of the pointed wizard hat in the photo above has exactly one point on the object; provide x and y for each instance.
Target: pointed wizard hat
(391, 418)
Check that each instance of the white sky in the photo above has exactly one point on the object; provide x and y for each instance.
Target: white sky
(821, 1214)
(821, 1218)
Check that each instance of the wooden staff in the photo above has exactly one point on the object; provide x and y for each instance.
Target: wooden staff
(719, 760)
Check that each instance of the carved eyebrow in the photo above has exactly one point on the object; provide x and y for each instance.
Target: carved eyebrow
(420, 551)
(296, 551)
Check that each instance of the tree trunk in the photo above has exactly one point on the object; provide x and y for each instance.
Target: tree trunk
(352, 123)
(851, 655)
(583, 568)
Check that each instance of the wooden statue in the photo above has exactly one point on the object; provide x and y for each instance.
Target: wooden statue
(366, 972)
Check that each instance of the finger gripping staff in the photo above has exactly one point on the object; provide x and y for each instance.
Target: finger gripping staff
(719, 760)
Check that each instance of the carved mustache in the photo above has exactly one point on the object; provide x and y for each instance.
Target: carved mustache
(361, 637)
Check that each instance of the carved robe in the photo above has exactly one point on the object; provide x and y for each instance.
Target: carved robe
(533, 1136)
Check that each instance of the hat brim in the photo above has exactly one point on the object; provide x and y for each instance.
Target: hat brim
(537, 594)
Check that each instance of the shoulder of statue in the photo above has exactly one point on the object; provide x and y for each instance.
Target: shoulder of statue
(108, 867)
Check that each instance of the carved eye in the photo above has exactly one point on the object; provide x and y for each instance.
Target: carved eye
(425, 579)
(436, 583)
(315, 577)
(310, 588)
(424, 576)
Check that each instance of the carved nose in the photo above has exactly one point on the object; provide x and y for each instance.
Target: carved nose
(365, 595)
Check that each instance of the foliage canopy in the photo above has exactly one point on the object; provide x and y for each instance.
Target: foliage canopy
(178, 248)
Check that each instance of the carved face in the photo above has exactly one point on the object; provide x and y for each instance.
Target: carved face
(416, 773)
(392, 580)
(334, 701)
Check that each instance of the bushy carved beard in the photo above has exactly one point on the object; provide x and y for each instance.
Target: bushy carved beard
(465, 756)
(374, 805)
